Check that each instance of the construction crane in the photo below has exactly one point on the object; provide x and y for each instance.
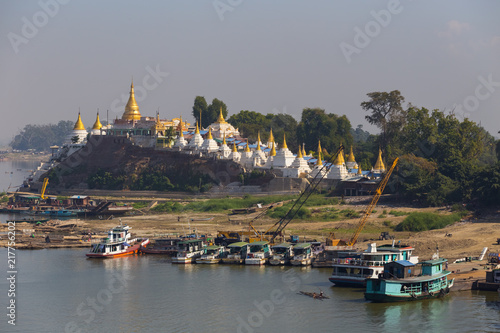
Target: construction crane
(44, 187)
(368, 211)
(297, 205)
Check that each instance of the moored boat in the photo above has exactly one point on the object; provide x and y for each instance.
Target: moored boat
(282, 253)
(211, 255)
(237, 253)
(406, 281)
(303, 254)
(162, 246)
(119, 243)
(355, 269)
(258, 253)
(188, 251)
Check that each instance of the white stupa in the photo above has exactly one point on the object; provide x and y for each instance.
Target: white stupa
(209, 145)
(270, 159)
(196, 140)
(79, 133)
(284, 157)
(299, 167)
(351, 161)
(318, 168)
(235, 154)
(224, 149)
(338, 170)
(258, 157)
(96, 129)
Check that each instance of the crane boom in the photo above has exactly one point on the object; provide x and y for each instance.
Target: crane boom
(373, 203)
(297, 205)
(44, 187)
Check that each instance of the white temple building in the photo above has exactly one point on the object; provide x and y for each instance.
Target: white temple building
(209, 145)
(299, 167)
(284, 157)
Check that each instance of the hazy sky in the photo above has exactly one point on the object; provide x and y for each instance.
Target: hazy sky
(265, 56)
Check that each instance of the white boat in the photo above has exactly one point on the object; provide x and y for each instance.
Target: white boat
(282, 253)
(258, 253)
(237, 253)
(188, 251)
(212, 255)
(303, 254)
(118, 243)
(354, 270)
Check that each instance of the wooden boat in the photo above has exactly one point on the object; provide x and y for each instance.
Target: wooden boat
(118, 244)
(60, 212)
(303, 254)
(314, 295)
(258, 253)
(237, 253)
(282, 253)
(405, 281)
(188, 251)
(211, 255)
(162, 246)
(355, 269)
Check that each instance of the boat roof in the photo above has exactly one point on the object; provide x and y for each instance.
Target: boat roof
(421, 278)
(302, 245)
(405, 263)
(78, 197)
(191, 241)
(434, 262)
(238, 244)
(285, 245)
(259, 243)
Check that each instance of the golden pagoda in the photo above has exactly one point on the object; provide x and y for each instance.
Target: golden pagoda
(304, 149)
(209, 136)
(284, 142)
(131, 109)
(221, 119)
(319, 161)
(247, 148)
(379, 165)
(339, 160)
(224, 139)
(350, 158)
(273, 150)
(97, 124)
(79, 124)
(258, 140)
(359, 170)
(234, 147)
(197, 131)
(299, 155)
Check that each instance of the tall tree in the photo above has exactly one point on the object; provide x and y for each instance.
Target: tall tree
(386, 112)
(213, 112)
(41, 137)
(250, 123)
(200, 108)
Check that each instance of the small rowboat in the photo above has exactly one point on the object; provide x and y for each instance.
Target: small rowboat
(314, 295)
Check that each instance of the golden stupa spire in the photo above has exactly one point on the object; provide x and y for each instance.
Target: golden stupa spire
(247, 148)
(271, 136)
(299, 155)
(97, 124)
(224, 139)
(351, 157)
(379, 165)
(179, 128)
(359, 170)
(319, 161)
(339, 160)
(273, 150)
(304, 149)
(284, 142)
(221, 117)
(258, 140)
(209, 136)
(131, 109)
(234, 147)
(79, 124)
(197, 131)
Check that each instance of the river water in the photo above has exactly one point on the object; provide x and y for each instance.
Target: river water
(60, 290)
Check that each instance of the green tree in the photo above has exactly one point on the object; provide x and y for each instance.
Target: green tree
(213, 112)
(386, 112)
(250, 123)
(41, 137)
(200, 107)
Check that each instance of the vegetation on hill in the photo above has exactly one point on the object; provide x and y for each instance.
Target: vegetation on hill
(427, 221)
(41, 137)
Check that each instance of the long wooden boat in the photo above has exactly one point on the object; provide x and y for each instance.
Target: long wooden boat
(405, 281)
(29, 220)
(167, 246)
(119, 243)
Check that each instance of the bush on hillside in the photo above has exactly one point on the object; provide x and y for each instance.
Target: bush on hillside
(426, 221)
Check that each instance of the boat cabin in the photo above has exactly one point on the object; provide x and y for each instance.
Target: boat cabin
(213, 250)
(260, 246)
(238, 248)
(400, 269)
(302, 248)
(283, 248)
(118, 234)
(190, 245)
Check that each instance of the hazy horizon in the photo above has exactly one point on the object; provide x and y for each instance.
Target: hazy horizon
(279, 57)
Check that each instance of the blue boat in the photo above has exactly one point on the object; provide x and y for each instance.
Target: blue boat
(60, 213)
(405, 281)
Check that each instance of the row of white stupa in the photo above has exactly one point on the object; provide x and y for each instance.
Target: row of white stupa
(283, 159)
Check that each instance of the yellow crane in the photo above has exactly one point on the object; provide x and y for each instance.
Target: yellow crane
(368, 211)
(44, 187)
